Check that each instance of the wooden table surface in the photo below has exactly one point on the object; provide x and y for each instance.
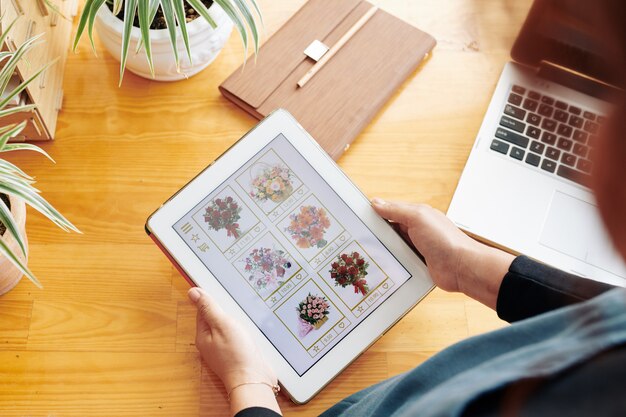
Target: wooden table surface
(111, 333)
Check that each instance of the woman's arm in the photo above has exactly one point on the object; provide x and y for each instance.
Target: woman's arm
(231, 353)
(455, 261)
(530, 288)
(516, 287)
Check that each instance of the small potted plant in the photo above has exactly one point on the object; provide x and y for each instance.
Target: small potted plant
(16, 187)
(350, 269)
(312, 313)
(168, 39)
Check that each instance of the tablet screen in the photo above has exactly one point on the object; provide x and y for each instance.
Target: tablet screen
(291, 253)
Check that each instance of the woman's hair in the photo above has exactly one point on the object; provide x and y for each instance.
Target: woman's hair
(609, 169)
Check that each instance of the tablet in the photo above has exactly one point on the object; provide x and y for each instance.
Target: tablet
(288, 245)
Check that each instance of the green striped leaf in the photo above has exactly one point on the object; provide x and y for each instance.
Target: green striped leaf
(82, 23)
(11, 167)
(170, 19)
(258, 12)
(199, 7)
(93, 11)
(17, 109)
(117, 6)
(6, 172)
(9, 133)
(40, 204)
(25, 146)
(6, 218)
(56, 10)
(182, 24)
(232, 14)
(9, 67)
(154, 7)
(143, 11)
(6, 252)
(130, 9)
(9, 178)
(25, 83)
(247, 15)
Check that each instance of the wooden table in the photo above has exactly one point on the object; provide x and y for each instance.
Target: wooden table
(112, 333)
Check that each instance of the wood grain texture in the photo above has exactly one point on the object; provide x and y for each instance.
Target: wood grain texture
(342, 97)
(108, 326)
(14, 324)
(112, 333)
(99, 384)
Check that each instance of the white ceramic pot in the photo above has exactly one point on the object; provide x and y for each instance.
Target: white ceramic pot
(204, 41)
(9, 274)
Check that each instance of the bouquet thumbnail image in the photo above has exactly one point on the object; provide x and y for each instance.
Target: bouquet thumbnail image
(224, 214)
(350, 269)
(313, 313)
(307, 227)
(266, 267)
(273, 183)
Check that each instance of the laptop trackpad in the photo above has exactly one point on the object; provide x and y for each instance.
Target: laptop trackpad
(573, 227)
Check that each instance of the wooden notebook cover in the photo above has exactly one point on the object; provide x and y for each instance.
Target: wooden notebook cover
(339, 101)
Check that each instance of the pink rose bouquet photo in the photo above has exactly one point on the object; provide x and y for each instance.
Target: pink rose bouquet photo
(224, 214)
(273, 184)
(313, 313)
(350, 269)
(307, 227)
(266, 267)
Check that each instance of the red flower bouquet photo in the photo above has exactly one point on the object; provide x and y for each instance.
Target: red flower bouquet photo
(224, 214)
(307, 227)
(313, 313)
(350, 269)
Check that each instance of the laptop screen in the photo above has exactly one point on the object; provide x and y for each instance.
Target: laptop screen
(568, 33)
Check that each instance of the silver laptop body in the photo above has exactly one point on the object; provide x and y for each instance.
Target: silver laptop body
(524, 185)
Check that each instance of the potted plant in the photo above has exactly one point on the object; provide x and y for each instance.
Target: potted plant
(168, 39)
(16, 187)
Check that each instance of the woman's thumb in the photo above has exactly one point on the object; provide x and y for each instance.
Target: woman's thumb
(396, 212)
(207, 307)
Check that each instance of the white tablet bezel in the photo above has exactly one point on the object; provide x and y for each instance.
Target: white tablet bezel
(300, 388)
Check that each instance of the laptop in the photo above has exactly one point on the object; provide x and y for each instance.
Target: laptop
(524, 188)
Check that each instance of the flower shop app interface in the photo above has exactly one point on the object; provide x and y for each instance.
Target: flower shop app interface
(291, 253)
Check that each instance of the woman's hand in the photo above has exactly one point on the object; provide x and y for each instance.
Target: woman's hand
(456, 262)
(232, 355)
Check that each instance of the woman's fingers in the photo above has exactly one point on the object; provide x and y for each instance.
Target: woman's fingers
(209, 312)
(402, 213)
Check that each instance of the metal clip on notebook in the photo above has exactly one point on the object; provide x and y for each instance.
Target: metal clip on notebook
(321, 54)
(351, 55)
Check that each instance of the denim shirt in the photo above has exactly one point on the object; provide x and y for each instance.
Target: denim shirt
(538, 348)
(549, 362)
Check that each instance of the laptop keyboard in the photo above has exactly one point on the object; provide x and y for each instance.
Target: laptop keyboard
(548, 134)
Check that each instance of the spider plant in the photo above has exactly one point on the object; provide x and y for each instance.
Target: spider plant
(245, 14)
(14, 181)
